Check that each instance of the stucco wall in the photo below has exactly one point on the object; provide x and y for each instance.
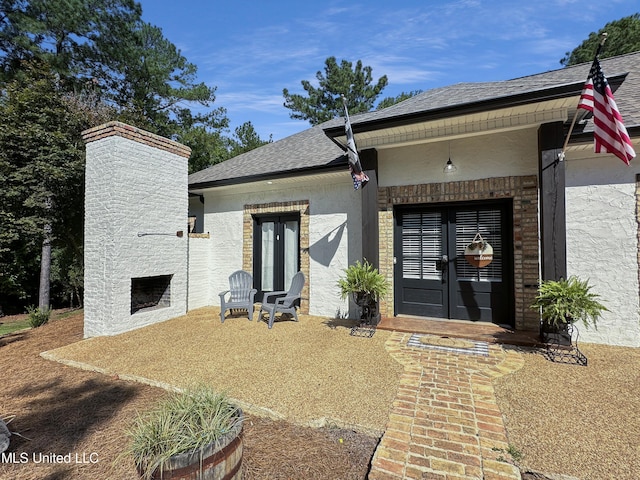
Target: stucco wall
(335, 238)
(200, 251)
(602, 226)
(507, 154)
(136, 202)
(602, 242)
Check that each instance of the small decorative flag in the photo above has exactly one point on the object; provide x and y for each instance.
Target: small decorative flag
(609, 134)
(360, 178)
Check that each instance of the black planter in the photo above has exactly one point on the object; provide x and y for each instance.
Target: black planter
(368, 307)
(562, 343)
(557, 334)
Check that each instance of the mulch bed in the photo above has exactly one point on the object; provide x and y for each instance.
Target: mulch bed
(61, 410)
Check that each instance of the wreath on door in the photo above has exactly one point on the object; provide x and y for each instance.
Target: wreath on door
(479, 253)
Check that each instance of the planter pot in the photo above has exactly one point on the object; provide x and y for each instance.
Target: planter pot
(479, 256)
(221, 460)
(368, 306)
(4, 436)
(557, 335)
(479, 253)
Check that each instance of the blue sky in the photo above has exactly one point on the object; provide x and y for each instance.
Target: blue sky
(251, 50)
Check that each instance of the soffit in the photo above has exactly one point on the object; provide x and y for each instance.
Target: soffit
(480, 123)
(278, 183)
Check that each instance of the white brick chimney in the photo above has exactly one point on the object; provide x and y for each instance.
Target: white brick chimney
(136, 214)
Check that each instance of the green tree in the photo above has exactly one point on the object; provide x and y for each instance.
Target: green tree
(160, 85)
(76, 38)
(623, 36)
(128, 62)
(387, 102)
(246, 138)
(97, 61)
(42, 174)
(324, 102)
(208, 146)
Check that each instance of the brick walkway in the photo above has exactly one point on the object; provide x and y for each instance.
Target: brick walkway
(445, 423)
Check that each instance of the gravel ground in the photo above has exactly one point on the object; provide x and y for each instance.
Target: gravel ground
(567, 420)
(310, 372)
(575, 420)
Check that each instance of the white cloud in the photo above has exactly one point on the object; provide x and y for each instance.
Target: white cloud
(252, 54)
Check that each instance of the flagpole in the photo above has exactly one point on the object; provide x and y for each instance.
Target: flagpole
(575, 116)
(360, 178)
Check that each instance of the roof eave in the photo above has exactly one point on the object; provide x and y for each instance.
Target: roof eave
(335, 166)
(556, 92)
(585, 137)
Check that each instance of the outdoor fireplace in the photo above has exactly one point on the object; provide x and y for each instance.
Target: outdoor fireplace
(149, 293)
(136, 208)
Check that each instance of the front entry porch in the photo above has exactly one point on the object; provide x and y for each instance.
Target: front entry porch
(481, 331)
(517, 197)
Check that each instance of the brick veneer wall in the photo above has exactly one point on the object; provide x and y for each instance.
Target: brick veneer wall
(301, 207)
(135, 205)
(524, 193)
(123, 130)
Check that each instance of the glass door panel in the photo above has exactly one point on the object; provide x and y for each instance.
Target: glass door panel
(291, 240)
(276, 252)
(267, 257)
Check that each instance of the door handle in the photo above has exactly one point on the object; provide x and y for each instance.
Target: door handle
(441, 263)
(444, 261)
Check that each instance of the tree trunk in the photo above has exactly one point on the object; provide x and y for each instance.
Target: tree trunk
(45, 270)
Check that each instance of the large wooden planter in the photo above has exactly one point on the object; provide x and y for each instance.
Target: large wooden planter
(219, 461)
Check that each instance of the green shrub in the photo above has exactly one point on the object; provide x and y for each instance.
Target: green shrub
(182, 422)
(568, 301)
(37, 316)
(362, 278)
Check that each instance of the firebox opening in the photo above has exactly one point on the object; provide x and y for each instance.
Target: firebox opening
(150, 293)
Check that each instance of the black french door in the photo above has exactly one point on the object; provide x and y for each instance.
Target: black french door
(276, 252)
(432, 276)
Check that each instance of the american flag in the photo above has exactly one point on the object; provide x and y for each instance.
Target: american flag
(360, 178)
(609, 133)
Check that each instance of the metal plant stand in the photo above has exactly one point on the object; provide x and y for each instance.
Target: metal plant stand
(368, 317)
(562, 345)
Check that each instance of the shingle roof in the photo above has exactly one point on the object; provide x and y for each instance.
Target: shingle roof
(309, 149)
(627, 96)
(312, 149)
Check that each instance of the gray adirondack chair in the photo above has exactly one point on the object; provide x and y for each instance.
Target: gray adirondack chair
(283, 302)
(240, 294)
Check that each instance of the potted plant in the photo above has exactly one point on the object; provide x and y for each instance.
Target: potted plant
(366, 285)
(192, 434)
(564, 302)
